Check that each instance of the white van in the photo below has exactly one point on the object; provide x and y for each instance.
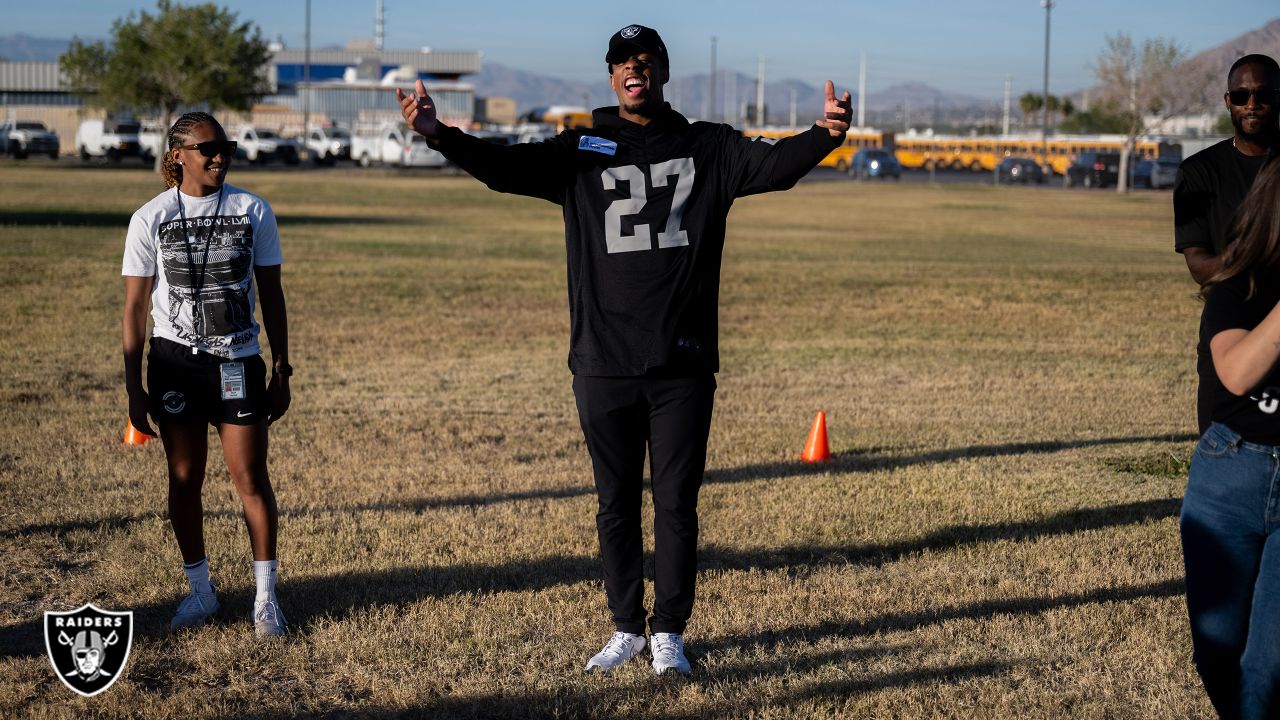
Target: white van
(112, 139)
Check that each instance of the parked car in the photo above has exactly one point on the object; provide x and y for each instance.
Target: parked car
(21, 138)
(1019, 170)
(112, 139)
(1093, 169)
(261, 145)
(1164, 172)
(329, 145)
(875, 163)
(151, 140)
(394, 145)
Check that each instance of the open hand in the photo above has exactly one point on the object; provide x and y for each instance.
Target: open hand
(837, 113)
(420, 112)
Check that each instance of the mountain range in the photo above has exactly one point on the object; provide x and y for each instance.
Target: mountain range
(735, 92)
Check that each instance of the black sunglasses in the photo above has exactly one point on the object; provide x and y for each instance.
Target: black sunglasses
(1264, 96)
(212, 148)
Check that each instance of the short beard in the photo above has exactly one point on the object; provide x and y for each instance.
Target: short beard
(1270, 130)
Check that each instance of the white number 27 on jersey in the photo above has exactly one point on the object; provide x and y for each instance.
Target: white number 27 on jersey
(640, 239)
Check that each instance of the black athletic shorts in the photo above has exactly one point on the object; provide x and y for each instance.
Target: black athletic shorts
(187, 388)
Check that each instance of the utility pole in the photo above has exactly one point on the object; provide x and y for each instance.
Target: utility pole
(377, 31)
(862, 90)
(1008, 90)
(306, 81)
(711, 104)
(760, 93)
(1044, 108)
(793, 108)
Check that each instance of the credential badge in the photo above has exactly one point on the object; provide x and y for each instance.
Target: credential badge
(88, 646)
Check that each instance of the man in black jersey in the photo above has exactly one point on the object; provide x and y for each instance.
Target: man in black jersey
(1212, 183)
(646, 196)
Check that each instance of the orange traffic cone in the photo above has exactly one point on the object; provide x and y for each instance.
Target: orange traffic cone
(816, 449)
(134, 436)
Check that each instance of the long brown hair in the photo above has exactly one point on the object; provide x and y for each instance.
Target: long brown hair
(170, 170)
(1255, 231)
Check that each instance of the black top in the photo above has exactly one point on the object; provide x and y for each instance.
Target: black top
(645, 208)
(1211, 184)
(1253, 415)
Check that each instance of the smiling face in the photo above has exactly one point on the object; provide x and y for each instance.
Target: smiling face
(202, 175)
(1253, 119)
(638, 83)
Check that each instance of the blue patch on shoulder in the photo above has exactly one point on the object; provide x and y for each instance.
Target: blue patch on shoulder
(596, 144)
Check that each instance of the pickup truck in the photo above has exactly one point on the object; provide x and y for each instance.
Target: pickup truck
(328, 145)
(112, 139)
(260, 145)
(21, 138)
(395, 145)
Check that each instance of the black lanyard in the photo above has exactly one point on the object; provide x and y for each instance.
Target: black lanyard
(197, 281)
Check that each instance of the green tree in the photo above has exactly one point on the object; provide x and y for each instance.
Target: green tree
(1030, 103)
(1150, 83)
(1102, 118)
(182, 56)
(1224, 126)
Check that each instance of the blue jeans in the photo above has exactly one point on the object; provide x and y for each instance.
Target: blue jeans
(1232, 555)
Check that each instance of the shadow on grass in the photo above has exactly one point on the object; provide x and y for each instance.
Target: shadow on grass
(310, 599)
(120, 220)
(846, 462)
(656, 694)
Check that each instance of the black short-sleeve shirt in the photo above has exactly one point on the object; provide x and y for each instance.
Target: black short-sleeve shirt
(1211, 184)
(1256, 414)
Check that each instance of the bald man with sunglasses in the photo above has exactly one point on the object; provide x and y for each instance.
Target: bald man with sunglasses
(1212, 183)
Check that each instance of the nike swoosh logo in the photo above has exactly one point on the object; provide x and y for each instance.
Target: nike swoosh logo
(243, 414)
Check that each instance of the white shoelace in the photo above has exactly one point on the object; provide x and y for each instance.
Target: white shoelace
(666, 646)
(194, 602)
(267, 612)
(617, 645)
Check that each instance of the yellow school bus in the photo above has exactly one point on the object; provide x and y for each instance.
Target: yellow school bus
(983, 153)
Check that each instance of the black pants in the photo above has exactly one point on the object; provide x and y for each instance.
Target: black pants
(672, 415)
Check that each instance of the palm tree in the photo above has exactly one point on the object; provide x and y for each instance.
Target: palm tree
(1030, 103)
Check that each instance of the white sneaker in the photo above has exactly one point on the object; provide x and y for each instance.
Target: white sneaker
(268, 619)
(668, 653)
(195, 609)
(620, 648)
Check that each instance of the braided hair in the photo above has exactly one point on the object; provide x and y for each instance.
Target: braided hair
(178, 134)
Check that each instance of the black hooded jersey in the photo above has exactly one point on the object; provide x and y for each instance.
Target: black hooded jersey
(645, 208)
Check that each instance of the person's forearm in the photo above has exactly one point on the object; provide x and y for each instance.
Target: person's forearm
(799, 154)
(134, 333)
(275, 320)
(1202, 265)
(1242, 364)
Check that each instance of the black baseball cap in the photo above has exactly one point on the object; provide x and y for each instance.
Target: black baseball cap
(633, 40)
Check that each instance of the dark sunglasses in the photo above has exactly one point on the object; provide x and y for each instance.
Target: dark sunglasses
(212, 148)
(1264, 96)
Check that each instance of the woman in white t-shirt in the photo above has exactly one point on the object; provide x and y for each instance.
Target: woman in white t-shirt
(192, 256)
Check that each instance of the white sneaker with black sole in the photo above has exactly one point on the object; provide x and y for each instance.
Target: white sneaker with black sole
(668, 653)
(268, 619)
(621, 647)
(195, 609)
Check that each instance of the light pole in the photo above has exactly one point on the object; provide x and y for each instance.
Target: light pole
(1044, 106)
(711, 103)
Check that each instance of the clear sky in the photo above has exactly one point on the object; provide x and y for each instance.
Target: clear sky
(966, 46)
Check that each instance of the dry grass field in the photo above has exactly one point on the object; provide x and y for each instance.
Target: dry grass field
(1008, 376)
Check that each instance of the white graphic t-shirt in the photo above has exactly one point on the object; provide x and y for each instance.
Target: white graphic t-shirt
(204, 296)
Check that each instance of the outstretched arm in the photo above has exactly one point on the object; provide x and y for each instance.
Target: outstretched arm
(778, 165)
(540, 170)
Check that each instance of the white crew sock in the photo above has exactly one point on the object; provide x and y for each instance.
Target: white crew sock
(264, 574)
(198, 575)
